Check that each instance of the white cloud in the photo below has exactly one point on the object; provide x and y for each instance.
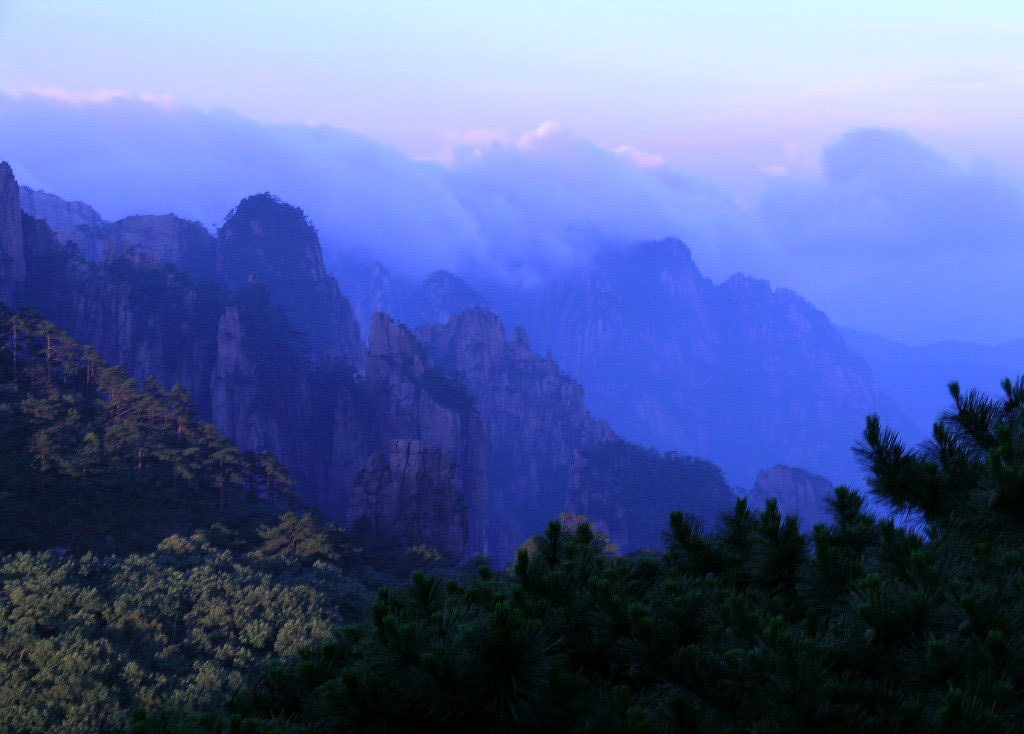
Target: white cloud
(544, 133)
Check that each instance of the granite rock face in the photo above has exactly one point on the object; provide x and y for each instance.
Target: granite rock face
(61, 215)
(454, 437)
(371, 287)
(629, 491)
(536, 419)
(797, 491)
(165, 239)
(12, 248)
(411, 493)
(413, 400)
(70, 220)
(246, 367)
(256, 330)
(265, 240)
(740, 373)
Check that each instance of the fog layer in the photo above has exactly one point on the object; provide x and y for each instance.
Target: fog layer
(891, 237)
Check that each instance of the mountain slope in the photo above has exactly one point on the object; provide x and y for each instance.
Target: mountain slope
(920, 374)
(90, 460)
(271, 351)
(739, 373)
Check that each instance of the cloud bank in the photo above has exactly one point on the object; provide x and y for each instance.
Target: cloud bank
(518, 208)
(891, 237)
(897, 239)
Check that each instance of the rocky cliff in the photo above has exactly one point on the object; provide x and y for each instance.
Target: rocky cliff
(536, 419)
(267, 241)
(270, 355)
(12, 248)
(798, 492)
(410, 492)
(165, 239)
(455, 437)
(628, 491)
(739, 373)
(70, 220)
(415, 400)
(371, 287)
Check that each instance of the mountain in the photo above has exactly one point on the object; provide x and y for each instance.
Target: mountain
(536, 418)
(12, 246)
(920, 374)
(71, 221)
(91, 460)
(371, 287)
(265, 240)
(739, 373)
(451, 438)
(427, 482)
(798, 493)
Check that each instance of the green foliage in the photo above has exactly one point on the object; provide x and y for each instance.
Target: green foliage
(84, 641)
(866, 626)
(618, 474)
(742, 625)
(90, 460)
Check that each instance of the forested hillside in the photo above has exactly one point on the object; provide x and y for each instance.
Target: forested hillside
(865, 626)
(142, 562)
(90, 460)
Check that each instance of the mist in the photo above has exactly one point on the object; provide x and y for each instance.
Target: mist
(897, 239)
(891, 237)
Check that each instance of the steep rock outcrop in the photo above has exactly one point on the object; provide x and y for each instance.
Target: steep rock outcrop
(412, 400)
(72, 221)
(629, 491)
(267, 241)
(439, 297)
(149, 318)
(60, 214)
(246, 368)
(739, 373)
(12, 248)
(797, 491)
(535, 417)
(404, 448)
(236, 345)
(166, 239)
(411, 493)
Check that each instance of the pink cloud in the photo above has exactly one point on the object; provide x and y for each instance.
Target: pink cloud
(640, 158)
(93, 96)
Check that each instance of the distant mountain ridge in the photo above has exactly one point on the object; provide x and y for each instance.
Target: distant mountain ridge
(740, 373)
(252, 324)
(920, 374)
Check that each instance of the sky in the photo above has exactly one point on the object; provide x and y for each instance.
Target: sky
(866, 154)
(724, 89)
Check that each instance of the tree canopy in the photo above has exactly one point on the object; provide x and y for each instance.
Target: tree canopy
(911, 623)
(92, 460)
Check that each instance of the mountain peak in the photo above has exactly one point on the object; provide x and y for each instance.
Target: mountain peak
(265, 231)
(263, 239)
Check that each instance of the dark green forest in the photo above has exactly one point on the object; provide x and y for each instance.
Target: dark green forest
(93, 461)
(154, 578)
